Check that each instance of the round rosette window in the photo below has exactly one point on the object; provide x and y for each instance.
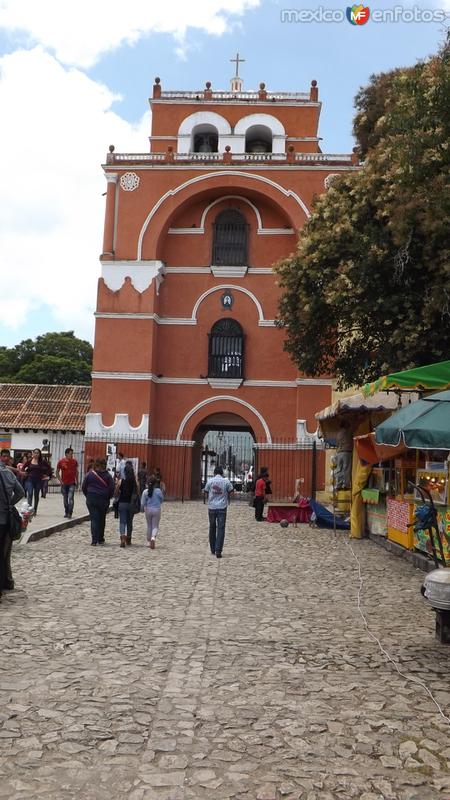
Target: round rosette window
(129, 181)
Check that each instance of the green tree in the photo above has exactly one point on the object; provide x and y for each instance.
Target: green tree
(368, 291)
(59, 358)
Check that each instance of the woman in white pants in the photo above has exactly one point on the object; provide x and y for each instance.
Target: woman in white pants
(151, 502)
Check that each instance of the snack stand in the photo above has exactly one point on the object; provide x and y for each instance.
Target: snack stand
(424, 426)
(400, 507)
(435, 480)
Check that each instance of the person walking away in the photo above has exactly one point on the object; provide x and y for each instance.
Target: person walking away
(159, 481)
(11, 492)
(218, 490)
(142, 477)
(151, 501)
(37, 471)
(260, 493)
(120, 466)
(67, 473)
(98, 488)
(126, 491)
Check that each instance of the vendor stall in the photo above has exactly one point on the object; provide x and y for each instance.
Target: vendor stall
(424, 427)
(362, 415)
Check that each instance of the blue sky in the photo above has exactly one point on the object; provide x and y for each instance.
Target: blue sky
(76, 77)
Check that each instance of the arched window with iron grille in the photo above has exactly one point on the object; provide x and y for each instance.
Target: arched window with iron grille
(226, 350)
(230, 239)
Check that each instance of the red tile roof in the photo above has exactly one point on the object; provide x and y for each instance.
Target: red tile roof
(41, 407)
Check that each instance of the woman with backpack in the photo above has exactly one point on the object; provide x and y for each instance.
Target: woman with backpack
(98, 488)
(151, 501)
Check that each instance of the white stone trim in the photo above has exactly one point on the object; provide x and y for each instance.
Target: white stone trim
(271, 384)
(111, 177)
(230, 197)
(172, 442)
(176, 321)
(260, 271)
(221, 398)
(120, 427)
(250, 165)
(224, 383)
(141, 273)
(215, 383)
(188, 270)
(262, 323)
(122, 376)
(228, 272)
(229, 287)
(184, 143)
(188, 101)
(126, 315)
(268, 121)
(183, 381)
(155, 317)
(208, 176)
(260, 230)
(303, 434)
(186, 231)
(314, 382)
(275, 231)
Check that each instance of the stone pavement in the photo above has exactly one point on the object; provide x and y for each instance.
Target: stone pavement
(51, 515)
(172, 675)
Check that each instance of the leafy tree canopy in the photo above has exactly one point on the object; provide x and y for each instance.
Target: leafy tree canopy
(59, 358)
(368, 291)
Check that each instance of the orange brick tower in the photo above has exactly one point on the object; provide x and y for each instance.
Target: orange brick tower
(186, 338)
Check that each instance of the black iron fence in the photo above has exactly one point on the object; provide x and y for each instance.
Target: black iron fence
(187, 465)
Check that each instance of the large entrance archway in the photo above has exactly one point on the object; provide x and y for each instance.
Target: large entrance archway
(223, 439)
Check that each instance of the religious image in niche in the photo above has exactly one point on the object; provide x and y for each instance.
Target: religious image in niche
(227, 300)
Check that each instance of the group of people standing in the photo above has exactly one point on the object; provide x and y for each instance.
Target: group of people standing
(131, 494)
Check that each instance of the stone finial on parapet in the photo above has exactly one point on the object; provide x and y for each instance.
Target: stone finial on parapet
(314, 92)
(227, 156)
(355, 156)
(157, 88)
(291, 154)
(262, 94)
(169, 156)
(207, 92)
(110, 156)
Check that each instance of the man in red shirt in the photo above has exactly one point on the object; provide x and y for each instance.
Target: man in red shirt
(67, 471)
(260, 493)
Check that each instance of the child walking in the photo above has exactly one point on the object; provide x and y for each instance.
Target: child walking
(151, 501)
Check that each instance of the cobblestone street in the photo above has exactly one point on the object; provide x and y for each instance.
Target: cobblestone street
(151, 675)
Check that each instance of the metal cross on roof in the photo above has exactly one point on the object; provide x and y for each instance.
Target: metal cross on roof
(237, 61)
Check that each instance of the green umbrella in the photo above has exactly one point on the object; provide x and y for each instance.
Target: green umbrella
(424, 424)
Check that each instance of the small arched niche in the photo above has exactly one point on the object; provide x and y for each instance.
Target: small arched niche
(258, 139)
(204, 139)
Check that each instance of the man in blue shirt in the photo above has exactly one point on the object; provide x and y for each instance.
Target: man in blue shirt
(218, 490)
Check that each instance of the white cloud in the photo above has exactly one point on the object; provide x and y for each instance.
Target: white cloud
(57, 125)
(79, 32)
